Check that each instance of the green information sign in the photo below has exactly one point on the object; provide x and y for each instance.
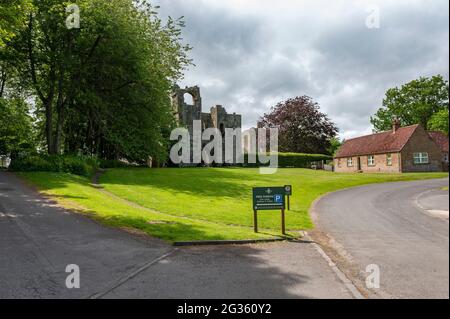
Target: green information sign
(271, 198)
(268, 198)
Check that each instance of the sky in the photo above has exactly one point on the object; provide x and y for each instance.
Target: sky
(251, 54)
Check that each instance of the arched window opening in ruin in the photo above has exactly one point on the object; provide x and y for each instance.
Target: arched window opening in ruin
(188, 99)
(222, 129)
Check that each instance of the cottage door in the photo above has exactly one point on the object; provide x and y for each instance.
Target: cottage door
(359, 163)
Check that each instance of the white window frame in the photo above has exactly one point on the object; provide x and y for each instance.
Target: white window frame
(420, 158)
(350, 162)
(389, 159)
(371, 160)
(339, 163)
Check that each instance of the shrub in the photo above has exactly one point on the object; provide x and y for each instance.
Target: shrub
(300, 160)
(79, 165)
(113, 164)
(297, 160)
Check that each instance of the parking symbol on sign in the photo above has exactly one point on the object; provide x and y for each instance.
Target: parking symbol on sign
(278, 199)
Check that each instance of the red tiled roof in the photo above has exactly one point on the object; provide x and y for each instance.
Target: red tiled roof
(378, 143)
(441, 140)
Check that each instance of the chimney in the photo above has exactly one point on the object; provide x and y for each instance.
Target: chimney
(395, 124)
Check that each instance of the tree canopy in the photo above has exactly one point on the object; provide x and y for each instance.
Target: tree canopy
(302, 127)
(439, 121)
(12, 17)
(103, 88)
(16, 129)
(413, 103)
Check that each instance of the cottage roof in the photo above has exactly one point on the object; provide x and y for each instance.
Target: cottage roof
(378, 143)
(440, 139)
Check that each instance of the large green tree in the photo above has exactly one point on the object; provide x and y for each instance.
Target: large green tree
(413, 103)
(101, 89)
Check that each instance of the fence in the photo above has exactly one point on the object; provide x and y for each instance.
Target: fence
(323, 165)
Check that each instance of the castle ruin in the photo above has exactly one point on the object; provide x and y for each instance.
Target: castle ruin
(185, 113)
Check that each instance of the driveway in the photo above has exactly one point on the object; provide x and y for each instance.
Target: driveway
(400, 227)
(38, 240)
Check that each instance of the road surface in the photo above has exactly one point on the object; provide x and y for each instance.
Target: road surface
(400, 227)
(38, 240)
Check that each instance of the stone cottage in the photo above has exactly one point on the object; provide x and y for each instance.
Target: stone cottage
(402, 149)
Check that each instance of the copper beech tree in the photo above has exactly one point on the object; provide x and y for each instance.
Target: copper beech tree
(302, 127)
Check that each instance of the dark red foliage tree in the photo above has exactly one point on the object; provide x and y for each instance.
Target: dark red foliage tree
(302, 127)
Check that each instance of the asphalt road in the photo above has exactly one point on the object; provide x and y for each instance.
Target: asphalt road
(401, 227)
(38, 240)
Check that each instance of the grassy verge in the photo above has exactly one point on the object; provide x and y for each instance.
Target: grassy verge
(224, 194)
(77, 193)
(199, 204)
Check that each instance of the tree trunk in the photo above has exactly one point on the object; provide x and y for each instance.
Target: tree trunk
(3, 83)
(58, 133)
(61, 116)
(49, 126)
(46, 101)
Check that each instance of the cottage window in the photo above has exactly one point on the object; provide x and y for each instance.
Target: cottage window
(371, 160)
(339, 162)
(389, 159)
(421, 158)
(350, 162)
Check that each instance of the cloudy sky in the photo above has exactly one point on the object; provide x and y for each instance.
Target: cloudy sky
(251, 54)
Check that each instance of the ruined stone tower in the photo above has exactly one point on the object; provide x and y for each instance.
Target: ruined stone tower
(186, 113)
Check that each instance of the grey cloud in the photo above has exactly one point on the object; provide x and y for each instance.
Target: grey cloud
(249, 61)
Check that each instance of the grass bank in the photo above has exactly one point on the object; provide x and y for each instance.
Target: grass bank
(199, 203)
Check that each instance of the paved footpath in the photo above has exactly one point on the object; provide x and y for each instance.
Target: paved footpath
(401, 227)
(38, 240)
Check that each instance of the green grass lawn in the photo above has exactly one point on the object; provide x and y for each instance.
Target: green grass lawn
(200, 203)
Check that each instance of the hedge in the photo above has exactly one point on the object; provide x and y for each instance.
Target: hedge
(79, 165)
(74, 164)
(86, 165)
(297, 160)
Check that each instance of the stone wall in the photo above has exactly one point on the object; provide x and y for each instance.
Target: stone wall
(420, 141)
(218, 117)
(380, 165)
(340, 165)
(185, 113)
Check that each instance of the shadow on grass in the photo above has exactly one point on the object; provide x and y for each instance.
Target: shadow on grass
(213, 182)
(168, 230)
(69, 197)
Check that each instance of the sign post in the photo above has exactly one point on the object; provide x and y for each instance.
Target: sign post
(288, 193)
(270, 198)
